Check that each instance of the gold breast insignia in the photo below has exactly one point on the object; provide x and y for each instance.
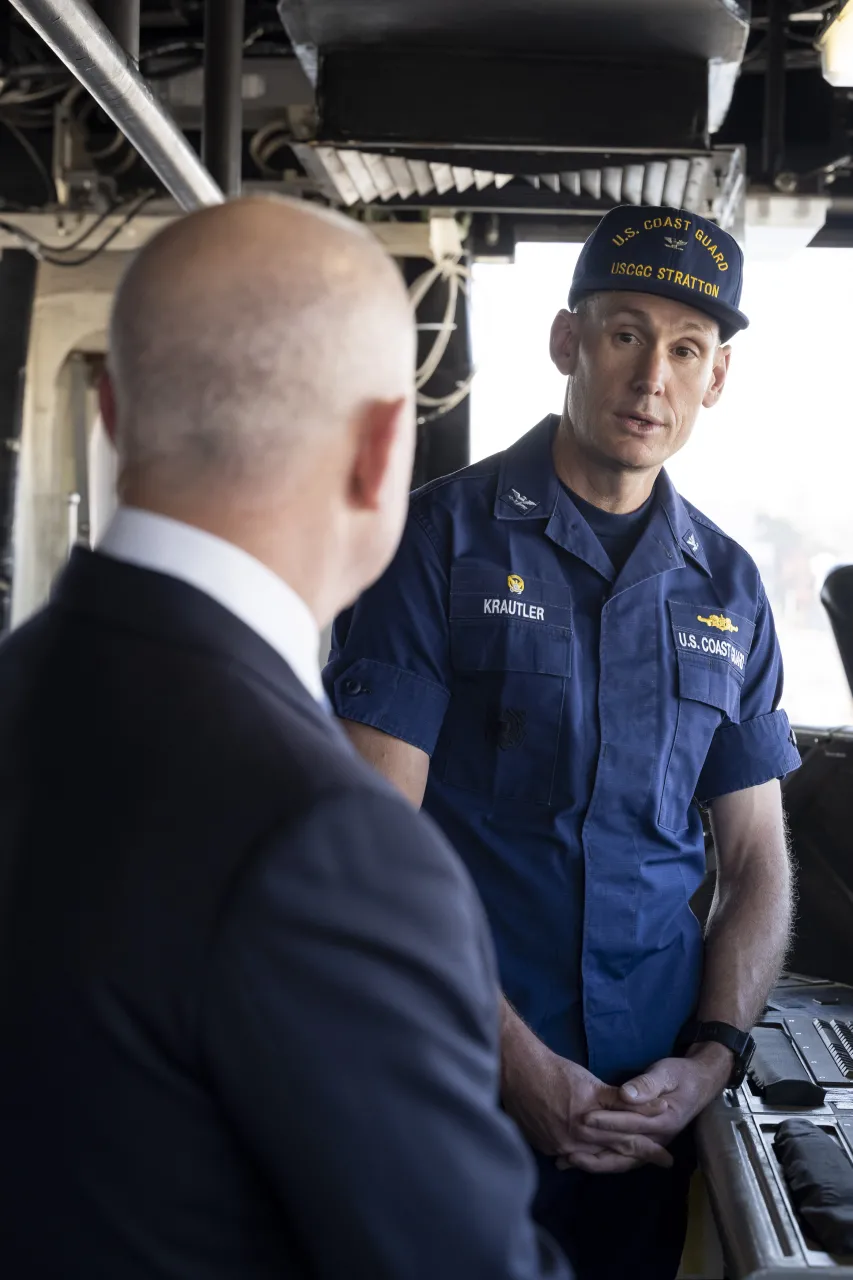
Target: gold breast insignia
(717, 620)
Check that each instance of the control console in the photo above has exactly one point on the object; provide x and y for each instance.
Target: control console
(802, 1067)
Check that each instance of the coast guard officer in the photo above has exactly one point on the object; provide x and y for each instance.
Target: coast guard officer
(565, 660)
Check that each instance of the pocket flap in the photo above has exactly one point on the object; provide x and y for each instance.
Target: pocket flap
(702, 680)
(506, 622)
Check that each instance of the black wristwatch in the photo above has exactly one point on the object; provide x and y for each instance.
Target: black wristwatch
(741, 1044)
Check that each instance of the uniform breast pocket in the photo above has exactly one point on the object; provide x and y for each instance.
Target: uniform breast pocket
(711, 653)
(511, 653)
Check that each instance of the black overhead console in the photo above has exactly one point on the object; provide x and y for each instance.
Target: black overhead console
(576, 104)
(615, 50)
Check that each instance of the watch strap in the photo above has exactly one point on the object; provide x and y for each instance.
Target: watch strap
(722, 1033)
(739, 1042)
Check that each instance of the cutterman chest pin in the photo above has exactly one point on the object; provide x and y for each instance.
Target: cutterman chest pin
(699, 630)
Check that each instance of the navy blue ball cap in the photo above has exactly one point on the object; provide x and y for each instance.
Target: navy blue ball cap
(669, 252)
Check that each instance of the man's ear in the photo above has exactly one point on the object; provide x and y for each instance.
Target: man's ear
(107, 405)
(379, 439)
(718, 377)
(565, 338)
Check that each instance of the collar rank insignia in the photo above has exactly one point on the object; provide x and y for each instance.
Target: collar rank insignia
(692, 542)
(519, 501)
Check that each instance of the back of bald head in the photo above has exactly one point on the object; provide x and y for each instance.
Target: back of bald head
(250, 335)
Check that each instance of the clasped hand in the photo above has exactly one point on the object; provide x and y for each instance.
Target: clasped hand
(566, 1112)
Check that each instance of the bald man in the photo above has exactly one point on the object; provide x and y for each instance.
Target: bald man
(248, 1020)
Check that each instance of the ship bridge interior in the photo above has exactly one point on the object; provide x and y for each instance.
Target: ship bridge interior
(457, 130)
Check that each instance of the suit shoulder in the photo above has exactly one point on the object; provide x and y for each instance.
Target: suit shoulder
(280, 746)
(370, 813)
(360, 853)
(27, 641)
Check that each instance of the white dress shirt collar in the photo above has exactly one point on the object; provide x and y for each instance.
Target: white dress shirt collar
(232, 577)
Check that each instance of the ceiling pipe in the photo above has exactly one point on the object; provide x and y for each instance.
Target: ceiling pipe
(80, 39)
(773, 142)
(122, 19)
(222, 130)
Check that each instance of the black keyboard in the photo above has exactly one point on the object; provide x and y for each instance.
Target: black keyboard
(837, 1035)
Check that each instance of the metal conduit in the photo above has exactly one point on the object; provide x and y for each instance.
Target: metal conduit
(222, 132)
(122, 19)
(79, 38)
(18, 271)
(773, 147)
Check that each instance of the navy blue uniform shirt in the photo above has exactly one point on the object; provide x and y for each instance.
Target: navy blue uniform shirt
(617, 533)
(573, 717)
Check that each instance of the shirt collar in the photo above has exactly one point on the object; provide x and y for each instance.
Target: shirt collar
(229, 575)
(529, 489)
(681, 522)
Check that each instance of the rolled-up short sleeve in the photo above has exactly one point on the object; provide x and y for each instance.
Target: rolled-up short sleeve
(389, 666)
(761, 746)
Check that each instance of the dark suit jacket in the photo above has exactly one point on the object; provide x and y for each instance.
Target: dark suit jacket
(247, 999)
